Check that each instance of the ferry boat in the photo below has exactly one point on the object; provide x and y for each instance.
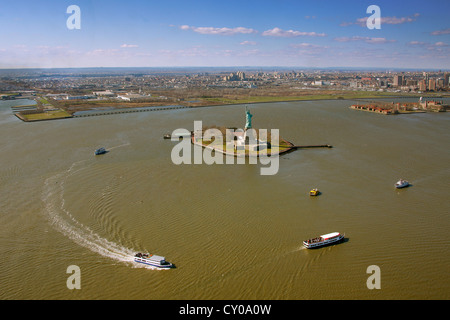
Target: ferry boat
(314, 192)
(153, 260)
(323, 240)
(100, 151)
(401, 184)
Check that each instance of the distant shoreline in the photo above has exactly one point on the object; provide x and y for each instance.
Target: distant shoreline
(42, 115)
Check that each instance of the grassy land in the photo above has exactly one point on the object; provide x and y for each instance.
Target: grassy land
(47, 115)
(43, 100)
(222, 147)
(319, 96)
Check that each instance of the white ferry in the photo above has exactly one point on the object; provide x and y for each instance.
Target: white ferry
(323, 240)
(152, 260)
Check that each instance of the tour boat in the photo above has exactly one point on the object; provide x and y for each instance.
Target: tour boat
(100, 151)
(401, 184)
(323, 240)
(314, 192)
(153, 260)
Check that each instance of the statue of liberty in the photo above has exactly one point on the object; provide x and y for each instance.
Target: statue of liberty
(248, 119)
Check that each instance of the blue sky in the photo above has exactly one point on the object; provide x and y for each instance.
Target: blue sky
(147, 33)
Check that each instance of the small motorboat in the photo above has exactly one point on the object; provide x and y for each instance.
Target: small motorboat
(100, 151)
(314, 192)
(401, 184)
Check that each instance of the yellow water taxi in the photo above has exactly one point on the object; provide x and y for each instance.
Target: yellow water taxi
(314, 192)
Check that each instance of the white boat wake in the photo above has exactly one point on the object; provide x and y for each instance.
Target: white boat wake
(63, 221)
(122, 145)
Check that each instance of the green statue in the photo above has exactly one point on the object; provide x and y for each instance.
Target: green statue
(248, 120)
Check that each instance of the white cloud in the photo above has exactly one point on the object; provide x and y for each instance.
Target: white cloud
(384, 20)
(248, 43)
(129, 45)
(440, 32)
(416, 43)
(277, 32)
(219, 31)
(379, 40)
(365, 39)
(196, 51)
(435, 47)
(103, 52)
(305, 45)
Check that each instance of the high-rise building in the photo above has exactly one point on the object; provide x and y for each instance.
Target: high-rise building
(432, 85)
(446, 79)
(398, 81)
(422, 85)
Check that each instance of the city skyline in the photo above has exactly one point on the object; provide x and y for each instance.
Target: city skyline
(413, 34)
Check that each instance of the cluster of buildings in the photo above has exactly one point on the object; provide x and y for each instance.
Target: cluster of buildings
(433, 105)
(100, 95)
(423, 105)
(235, 76)
(141, 84)
(423, 83)
(372, 108)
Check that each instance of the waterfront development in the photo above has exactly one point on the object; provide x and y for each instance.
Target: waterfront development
(231, 232)
(67, 93)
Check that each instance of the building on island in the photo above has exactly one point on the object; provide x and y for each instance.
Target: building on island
(133, 96)
(106, 93)
(436, 106)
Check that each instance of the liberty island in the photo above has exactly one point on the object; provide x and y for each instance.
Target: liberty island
(235, 143)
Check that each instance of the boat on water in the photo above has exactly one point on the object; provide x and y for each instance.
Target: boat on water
(401, 184)
(100, 151)
(153, 260)
(323, 240)
(314, 192)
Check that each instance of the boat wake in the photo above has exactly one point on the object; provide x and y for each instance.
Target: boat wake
(299, 248)
(436, 175)
(122, 145)
(63, 221)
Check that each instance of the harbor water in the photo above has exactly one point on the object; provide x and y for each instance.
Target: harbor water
(231, 232)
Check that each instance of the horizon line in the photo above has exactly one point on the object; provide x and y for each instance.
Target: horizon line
(230, 67)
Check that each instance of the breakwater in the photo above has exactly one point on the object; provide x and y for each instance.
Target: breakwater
(93, 113)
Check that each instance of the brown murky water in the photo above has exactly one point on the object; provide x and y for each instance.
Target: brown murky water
(233, 233)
